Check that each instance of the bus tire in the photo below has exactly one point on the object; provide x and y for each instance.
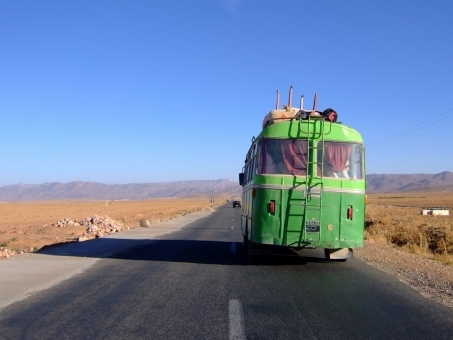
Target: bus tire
(246, 244)
(327, 254)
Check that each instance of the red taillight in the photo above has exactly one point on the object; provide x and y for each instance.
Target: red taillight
(272, 207)
(253, 192)
(350, 213)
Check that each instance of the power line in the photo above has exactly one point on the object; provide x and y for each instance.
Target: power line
(430, 130)
(414, 128)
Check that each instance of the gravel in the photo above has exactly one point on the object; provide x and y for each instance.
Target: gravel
(430, 278)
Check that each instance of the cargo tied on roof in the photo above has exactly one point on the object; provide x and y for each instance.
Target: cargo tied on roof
(290, 113)
(277, 116)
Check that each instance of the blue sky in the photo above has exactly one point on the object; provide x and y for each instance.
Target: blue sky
(156, 91)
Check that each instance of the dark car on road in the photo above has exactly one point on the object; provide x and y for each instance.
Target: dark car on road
(236, 204)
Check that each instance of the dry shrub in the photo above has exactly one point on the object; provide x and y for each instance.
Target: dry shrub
(385, 221)
(402, 225)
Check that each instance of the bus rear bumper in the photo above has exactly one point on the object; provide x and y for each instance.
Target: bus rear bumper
(338, 254)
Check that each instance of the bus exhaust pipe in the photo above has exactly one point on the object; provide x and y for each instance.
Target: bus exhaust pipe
(290, 99)
(315, 102)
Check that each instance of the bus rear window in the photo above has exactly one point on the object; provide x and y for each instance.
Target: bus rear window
(340, 160)
(283, 157)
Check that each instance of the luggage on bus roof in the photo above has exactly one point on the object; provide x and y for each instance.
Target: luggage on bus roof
(278, 116)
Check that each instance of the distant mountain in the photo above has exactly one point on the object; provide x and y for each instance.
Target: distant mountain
(414, 182)
(133, 191)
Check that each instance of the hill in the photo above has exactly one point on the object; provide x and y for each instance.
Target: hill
(413, 182)
(136, 191)
(133, 191)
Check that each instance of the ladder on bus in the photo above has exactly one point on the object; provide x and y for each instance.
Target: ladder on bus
(312, 215)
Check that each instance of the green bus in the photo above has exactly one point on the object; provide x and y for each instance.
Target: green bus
(304, 185)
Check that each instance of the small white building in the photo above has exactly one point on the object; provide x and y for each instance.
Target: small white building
(442, 211)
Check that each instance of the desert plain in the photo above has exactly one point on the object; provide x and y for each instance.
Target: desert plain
(29, 226)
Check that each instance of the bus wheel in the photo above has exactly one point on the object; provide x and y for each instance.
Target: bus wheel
(246, 245)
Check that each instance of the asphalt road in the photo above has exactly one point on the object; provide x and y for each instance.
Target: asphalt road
(196, 284)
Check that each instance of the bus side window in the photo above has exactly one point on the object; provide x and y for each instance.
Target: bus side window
(249, 170)
(246, 176)
(252, 168)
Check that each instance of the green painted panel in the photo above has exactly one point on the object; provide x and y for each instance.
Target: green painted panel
(287, 225)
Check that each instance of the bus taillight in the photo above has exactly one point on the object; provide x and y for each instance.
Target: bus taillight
(272, 207)
(350, 213)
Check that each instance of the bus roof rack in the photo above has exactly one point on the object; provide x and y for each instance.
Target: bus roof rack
(289, 113)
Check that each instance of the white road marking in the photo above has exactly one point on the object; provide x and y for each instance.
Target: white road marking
(233, 247)
(237, 331)
(232, 227)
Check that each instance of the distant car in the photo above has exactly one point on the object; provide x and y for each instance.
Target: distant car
(236, 204)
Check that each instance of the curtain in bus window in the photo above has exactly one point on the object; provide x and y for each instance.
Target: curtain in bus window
(283, 157)
(336, 157)
(294, 156)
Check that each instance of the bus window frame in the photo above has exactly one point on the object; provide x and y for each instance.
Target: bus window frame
(260, 153)
(360, 147)
(250, 164)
